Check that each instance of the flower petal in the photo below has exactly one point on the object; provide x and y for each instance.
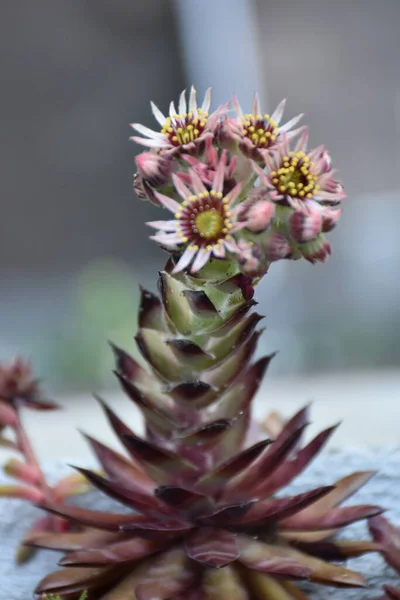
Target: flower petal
(146, 131)
(163, 225)
(158, 115)
(192, 102)
(168, 202)
(201, 259)
(182, 103)
(184, 260)
(278, 112)
(205, 107)
(151, 143)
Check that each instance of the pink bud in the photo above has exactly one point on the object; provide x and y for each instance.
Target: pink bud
(154, 168)
(305, 225)
(8, 416)
(20, 470)
(23, 492)
(330, 218)
(276, 246)
(71, 485)
(317, 250)
(257, 215)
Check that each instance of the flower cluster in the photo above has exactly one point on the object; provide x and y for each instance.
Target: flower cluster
(20, 389)
(244, 189)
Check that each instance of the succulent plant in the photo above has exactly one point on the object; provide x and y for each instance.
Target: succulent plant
(203, 489)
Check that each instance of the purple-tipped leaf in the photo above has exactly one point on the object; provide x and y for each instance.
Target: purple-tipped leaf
(212, 547)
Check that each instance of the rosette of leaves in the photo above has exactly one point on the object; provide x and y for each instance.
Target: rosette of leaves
(204, 518)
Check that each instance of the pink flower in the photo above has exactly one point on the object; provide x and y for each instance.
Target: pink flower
(294, 178)
(182, 130)
(204, 222)
(256, 132)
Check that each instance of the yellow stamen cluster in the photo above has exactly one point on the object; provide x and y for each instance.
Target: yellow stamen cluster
(295, 177)
(185, 128)
(204, 218)
(261, 130)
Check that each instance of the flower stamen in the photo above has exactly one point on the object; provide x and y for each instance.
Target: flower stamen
(261, 130)
(185, 128)
(295, 177)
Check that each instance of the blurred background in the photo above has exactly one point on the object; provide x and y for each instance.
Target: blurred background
(73, 247)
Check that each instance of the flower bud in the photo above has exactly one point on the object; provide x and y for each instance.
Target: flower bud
(154, 168)
(317, 250)
(330, 218)
(257, 214)
(305, 224)
(20, 470)
(23, 492)
(276, 246)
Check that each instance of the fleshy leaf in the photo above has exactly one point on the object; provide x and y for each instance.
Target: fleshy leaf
(388, 536)
(169, 574)
(212, 547)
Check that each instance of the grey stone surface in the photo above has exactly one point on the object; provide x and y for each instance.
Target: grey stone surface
(17, 583)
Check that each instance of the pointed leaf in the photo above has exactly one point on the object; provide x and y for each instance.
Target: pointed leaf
(388, 536)
(175, 303)
(206, 434)
(120, 469)
(277, 508)
(72, 579)
(290, 469)
(270, 588)
(221, 584)
(164, 466)
(265, 465)
(344, 488)
(90, 539)
(127, 366)
(169, 574)
(200, 304)
(153, 408)
(93, 518)
(338, 550)
(334, 518)
(115, 553)
(185, 502)
(222, 345)
(135, 498)
(258, 556)
(240, 395)
(212, 547)
(150, 311)
(216, 479)
(231, 366)
(160, 356)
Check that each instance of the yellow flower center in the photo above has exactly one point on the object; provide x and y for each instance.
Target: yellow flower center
(261, 130)
(185, 128)
(209, 224)
(295, 177)
(204, 220)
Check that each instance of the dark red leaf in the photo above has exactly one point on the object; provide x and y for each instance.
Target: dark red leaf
(212, 547)
(186, 502)
(290, 469)
(132, 549)
(216, 479)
